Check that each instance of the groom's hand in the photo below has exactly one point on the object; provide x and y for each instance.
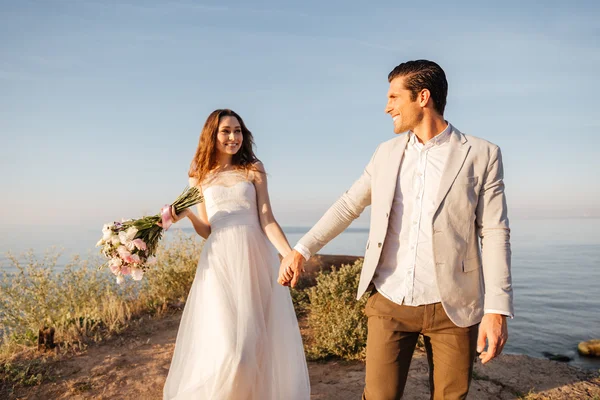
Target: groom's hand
(292, 267)
(493, 327)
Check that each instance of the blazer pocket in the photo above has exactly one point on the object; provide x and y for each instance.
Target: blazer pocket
(470, 180)
(471, 264)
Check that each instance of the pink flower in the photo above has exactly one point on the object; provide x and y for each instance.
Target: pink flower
(125, 270)
(137, 274)
(124, 254)
(115, 265)
(122, 250)
(139, 243)
(135, 259)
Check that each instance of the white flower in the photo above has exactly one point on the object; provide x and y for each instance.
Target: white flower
(131, 232)
(115, 240)
(137, 274)
(127, 236)
(106, 232)
(100, 243)
(130, 245)
(120, 279)
(115, 262)
(123, 237)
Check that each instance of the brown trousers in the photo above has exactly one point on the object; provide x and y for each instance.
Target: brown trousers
(393, 332)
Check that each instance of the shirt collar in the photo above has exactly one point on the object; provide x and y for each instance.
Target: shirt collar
(437, 140)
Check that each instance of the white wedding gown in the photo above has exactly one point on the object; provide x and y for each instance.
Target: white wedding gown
(238, 337)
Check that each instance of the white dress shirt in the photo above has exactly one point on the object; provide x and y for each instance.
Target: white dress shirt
(406, 270)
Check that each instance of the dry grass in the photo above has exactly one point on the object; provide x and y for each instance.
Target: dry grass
(83, 303)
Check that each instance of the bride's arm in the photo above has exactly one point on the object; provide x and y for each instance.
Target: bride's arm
(265, 212)
(200, 221)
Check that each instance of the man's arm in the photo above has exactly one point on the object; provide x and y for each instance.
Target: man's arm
(335, 220)
(494, 231)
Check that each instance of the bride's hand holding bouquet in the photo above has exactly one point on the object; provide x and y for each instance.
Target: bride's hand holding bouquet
(130, 245)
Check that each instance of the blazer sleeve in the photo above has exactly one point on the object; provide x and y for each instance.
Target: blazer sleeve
(341, 214)
(493, 229)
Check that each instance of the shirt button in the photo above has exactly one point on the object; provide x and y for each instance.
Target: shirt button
(414, 222)
(387, 215)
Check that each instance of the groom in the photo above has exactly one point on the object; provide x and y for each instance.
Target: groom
(435, 193)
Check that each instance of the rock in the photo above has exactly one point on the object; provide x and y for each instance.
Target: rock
(46, 339)
(556, 357)
(591, 348)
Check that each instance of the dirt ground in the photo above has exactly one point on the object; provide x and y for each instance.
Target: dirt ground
(134, 365)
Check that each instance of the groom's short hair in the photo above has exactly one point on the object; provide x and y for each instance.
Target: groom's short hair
(424, 74)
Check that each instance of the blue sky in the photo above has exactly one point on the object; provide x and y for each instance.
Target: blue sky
(102, 102)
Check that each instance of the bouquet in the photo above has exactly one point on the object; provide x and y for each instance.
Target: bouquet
(130, 245)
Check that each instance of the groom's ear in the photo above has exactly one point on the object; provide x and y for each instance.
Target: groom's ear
(424, 98)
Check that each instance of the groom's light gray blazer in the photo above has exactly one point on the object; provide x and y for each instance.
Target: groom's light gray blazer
(470, 204)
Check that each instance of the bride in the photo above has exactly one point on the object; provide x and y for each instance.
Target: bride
(238, 337)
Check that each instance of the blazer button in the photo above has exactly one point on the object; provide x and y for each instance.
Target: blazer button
(379, 244)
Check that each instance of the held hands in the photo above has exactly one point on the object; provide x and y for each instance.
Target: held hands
(493, 327)
(291, 268)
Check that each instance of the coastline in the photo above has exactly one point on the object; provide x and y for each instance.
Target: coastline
(135, 362)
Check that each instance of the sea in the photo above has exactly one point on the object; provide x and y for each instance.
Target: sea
(555, 269)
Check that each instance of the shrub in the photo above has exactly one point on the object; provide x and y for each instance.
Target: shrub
(82, 302)
(300, 301)
(172, 280)
(336, 319)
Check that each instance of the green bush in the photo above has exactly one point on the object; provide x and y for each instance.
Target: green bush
(336, 319)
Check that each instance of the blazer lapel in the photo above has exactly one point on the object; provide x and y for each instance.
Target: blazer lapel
(389, 178)
(459, 148)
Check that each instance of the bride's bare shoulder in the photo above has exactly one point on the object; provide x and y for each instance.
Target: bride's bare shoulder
(193, 182)
(257, 172)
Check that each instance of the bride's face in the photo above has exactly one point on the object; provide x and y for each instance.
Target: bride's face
(229, 136)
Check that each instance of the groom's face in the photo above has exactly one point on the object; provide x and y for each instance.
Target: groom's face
(405, 112)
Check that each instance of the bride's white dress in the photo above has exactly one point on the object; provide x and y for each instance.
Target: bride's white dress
(238, 336)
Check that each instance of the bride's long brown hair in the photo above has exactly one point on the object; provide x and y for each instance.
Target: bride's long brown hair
(205, 159)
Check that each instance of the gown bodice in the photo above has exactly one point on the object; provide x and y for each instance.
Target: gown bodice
(230, 201)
